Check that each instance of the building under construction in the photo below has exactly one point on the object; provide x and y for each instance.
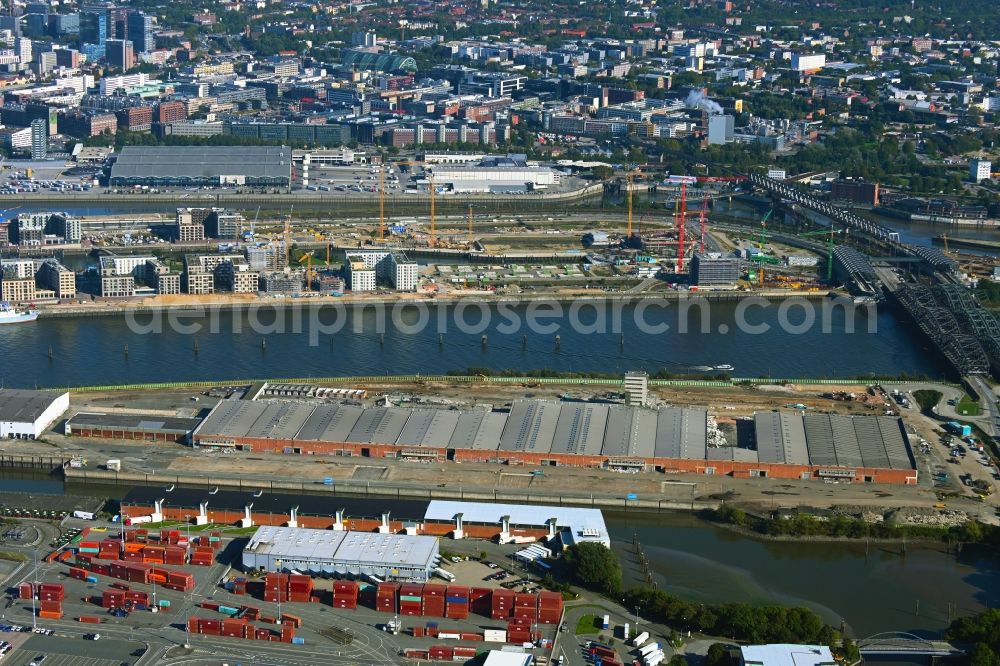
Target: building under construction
(547, 433)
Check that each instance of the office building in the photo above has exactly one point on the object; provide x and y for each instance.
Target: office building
(94, 27)
(714, 270)
(980, 170)
(855, 191)
(119, 53)
(720, 129)
(139, 31)
(636, 388)
(39, 139)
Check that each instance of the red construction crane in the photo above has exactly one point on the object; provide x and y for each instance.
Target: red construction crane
(681, 225)
(681, 217)
(704, 210)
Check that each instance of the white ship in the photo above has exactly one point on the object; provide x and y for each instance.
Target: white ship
(11, 315)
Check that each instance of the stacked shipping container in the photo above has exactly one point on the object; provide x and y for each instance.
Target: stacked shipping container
(411, 599)
(457, 602)
(345, 594)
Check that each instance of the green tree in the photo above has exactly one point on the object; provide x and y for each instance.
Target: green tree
(602, 172)
(851, 652)
(718, 655)
(595, 566)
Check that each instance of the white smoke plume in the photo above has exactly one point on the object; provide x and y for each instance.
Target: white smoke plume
(697, 100)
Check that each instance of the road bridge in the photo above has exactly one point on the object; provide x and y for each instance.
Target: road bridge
(900, 644)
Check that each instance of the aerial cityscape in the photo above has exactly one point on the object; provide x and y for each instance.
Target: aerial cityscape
(499, 332)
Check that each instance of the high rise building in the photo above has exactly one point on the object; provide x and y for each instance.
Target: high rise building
(119, 53)
(39, 139)
(94, 27)
(980, 170)
(636, 388)
(139, 31)
(714, 270)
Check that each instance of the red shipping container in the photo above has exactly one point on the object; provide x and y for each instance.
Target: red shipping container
(50, 615)
(344, 603)
(55, 606)
(263, 634)
(434, 590)
(440, 653)
(418, 632)
(89, 619)
(78, 573)
(525, 600)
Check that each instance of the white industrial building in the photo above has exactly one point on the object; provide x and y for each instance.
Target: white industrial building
(571, 524)
(27, 414)
(494, 175)
(980, 170)
(806, 62)
(336, 552)
(782, 654)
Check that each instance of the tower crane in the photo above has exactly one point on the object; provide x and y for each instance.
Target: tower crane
(829, 255)
(307, 257)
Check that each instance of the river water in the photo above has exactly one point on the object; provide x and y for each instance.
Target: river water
(87, 351)
(873, 589)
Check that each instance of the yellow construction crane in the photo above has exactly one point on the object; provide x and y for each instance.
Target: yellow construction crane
(628, 194)
(307, 257)
(381, 201)
(287, 236)
(433, 192)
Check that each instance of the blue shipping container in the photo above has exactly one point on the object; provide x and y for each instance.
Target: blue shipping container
(91, 579)
(298, 641)
(457, 600)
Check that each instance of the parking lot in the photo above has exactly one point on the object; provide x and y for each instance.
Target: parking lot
(63, 651)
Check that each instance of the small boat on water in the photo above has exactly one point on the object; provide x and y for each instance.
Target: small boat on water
(724, 366)
(12, 315)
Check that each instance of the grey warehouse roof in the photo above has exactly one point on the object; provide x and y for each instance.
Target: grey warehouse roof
(21, 406)
(365, 548)
(202, 162)
(569, 428)
(143, 422)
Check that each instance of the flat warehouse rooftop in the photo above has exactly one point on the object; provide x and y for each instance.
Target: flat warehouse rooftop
(563, 430)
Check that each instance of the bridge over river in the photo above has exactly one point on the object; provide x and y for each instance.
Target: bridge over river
(901, 644)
